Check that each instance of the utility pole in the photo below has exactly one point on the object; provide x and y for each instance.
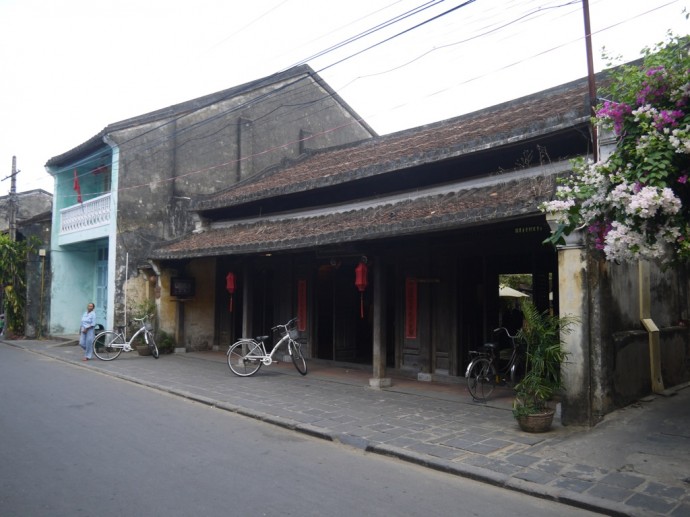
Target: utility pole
(12, 202)
(590, 78)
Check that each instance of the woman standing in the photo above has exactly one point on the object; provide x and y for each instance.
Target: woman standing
(87, 331)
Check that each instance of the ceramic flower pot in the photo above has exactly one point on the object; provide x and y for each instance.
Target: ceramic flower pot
(536, 423)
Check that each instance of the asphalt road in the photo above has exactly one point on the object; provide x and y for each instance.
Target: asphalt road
(78, 442)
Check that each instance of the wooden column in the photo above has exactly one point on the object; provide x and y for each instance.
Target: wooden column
(247, 304)
(379, 379)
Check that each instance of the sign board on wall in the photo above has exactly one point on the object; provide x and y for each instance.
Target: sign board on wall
(182, 287)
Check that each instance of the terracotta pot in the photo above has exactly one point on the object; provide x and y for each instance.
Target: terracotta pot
(537, 423)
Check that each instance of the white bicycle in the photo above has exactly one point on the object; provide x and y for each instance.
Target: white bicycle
(110, 344)
(247, 355)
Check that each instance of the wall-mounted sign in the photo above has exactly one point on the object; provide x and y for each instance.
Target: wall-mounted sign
(182, 287)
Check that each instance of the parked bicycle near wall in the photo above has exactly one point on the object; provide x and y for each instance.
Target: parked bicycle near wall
(492, 365)
(110, 344)
(247, 355)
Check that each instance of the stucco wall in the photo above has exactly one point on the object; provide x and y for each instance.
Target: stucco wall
(38, 279)
(626, 343)
(632, 375)
(190, 321)
(29, 204)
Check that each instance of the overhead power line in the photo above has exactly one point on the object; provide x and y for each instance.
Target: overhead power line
(295, 92)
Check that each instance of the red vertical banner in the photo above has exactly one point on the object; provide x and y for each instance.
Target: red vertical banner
(301, 305)
(410, 308)
(76, 186)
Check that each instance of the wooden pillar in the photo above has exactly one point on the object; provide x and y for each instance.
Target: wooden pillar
(379, 379)
(180, 330)
(247, 305)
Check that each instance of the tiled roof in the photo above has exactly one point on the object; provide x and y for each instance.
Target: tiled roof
(538, 114)
(463, 207)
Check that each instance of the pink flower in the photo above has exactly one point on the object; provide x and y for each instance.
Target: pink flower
(683, 179)
(617, 112)
(667, 118)
(599, 230)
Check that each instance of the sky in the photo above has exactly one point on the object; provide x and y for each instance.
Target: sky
(69, 68)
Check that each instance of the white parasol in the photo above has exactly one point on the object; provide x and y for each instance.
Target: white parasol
(509, 292)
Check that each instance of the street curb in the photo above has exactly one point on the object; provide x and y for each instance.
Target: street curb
(475, 473)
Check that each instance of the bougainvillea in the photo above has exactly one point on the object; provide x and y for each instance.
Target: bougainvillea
(635, 203)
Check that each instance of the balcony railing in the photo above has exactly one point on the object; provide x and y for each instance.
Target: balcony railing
(85, 216)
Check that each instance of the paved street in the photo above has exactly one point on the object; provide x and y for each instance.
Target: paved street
(636, 462)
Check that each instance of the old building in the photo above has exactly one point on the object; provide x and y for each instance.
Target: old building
(31, 212)
(127, 189)
(26, 205)
(435, 215)
(273, 199)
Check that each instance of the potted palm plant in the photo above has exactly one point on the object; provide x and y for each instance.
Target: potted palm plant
(542, 333)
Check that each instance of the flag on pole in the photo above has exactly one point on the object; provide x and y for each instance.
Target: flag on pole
(77, 188)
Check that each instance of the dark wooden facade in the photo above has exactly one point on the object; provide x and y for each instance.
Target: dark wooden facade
(440, 294)
(437, 213)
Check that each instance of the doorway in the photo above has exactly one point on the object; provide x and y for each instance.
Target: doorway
(344, 328)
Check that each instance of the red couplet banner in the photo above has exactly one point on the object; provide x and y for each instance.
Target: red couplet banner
(302, 305)
(410, 308)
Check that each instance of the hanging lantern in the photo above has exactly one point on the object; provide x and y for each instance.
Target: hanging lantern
(230, 286)
(361, 284)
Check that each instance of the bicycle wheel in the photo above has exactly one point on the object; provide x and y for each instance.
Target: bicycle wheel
(108, 345)
(481, 379)
(517, 369)
(295, 349)
(152, 345)
(244, 358)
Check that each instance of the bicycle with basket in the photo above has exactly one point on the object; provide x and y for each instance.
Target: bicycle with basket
(247, 355)
(108, 345)
(495, 365)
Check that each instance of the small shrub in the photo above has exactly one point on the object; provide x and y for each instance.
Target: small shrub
(165, 342)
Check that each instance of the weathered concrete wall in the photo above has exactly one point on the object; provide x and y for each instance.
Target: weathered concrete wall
(164, 164)
(632, 373)
(38, 277)
(199, 311)
(29, 204)
(190, 321)
(609, 362)
(573, 290)
(625, 342)
(221, 144)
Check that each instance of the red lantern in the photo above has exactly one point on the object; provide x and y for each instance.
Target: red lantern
(230, 286)
(361, 284)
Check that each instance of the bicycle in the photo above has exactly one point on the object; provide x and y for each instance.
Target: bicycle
(110, 344)
(247, 355)
(489, 367)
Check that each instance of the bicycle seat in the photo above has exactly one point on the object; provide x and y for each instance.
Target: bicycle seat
(262, 338)
(490, 346)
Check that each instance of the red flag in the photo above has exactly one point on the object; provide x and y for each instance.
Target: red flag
(77, 188)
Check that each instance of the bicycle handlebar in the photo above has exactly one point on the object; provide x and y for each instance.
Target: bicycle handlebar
(507, 333)
(287, 325)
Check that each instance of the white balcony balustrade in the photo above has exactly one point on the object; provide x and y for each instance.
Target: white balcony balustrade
(85, 216)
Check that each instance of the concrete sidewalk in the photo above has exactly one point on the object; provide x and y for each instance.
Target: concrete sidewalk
(636, 462)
